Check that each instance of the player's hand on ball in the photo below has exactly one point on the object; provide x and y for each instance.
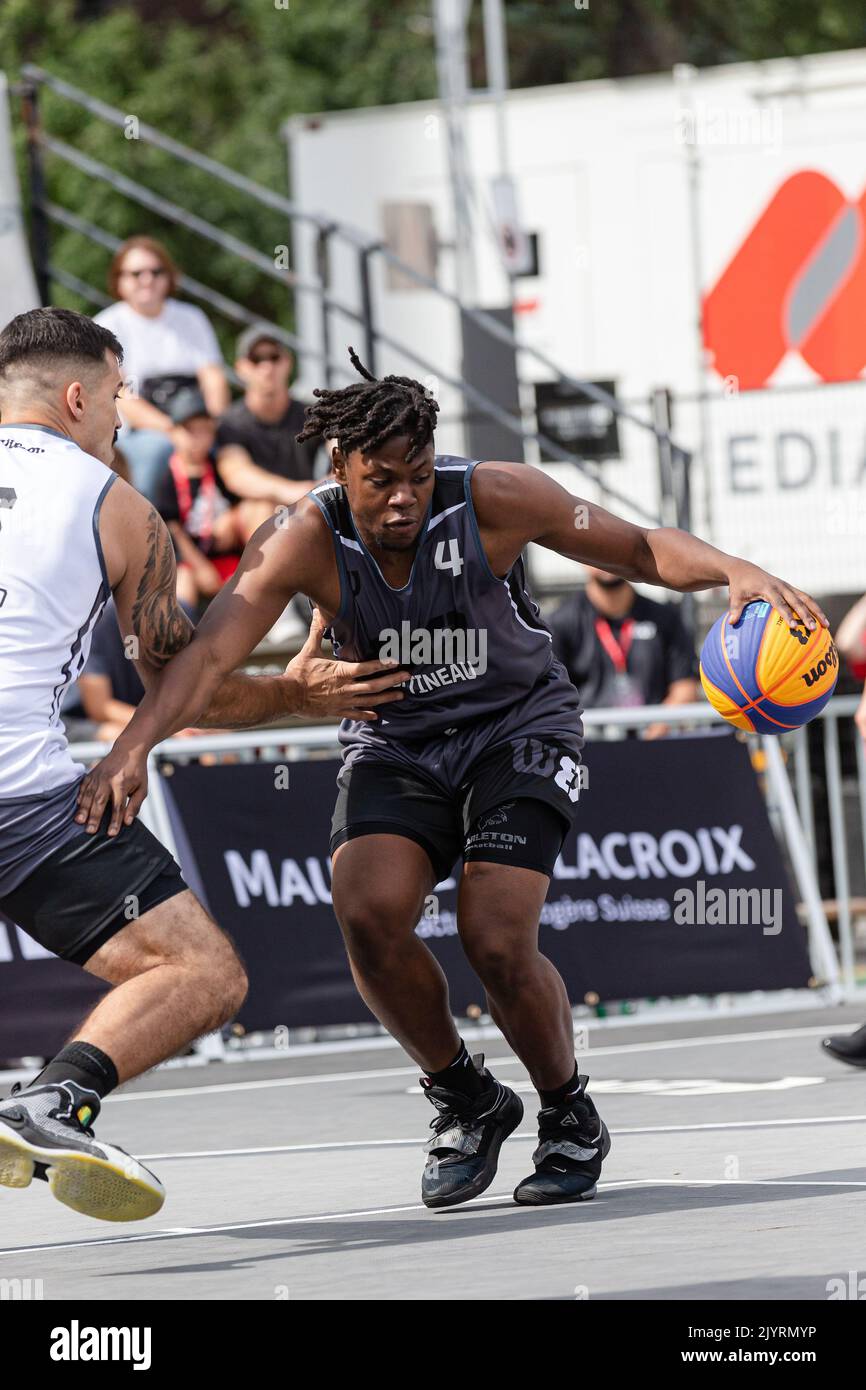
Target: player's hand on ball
(749, 582)
(120, 780)
(341, 689)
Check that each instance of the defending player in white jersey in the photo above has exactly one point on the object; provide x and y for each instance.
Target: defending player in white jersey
(71, 533)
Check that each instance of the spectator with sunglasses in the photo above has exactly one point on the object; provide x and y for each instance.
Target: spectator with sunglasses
(258, 457)
(168, 346)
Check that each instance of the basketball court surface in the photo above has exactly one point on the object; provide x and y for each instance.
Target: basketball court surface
(737, 1172)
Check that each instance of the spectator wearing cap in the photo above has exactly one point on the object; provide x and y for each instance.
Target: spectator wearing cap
(621, 649)
(208, 530)
(167, 346)
(258, 457)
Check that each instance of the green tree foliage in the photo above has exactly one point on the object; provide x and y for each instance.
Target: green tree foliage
(224, 85)
(224, 75)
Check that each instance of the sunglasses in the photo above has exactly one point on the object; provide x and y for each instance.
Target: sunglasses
(257, 357)
(155, 270)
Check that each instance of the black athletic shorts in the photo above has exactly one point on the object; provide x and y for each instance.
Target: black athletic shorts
(514, 806)
(91, 888)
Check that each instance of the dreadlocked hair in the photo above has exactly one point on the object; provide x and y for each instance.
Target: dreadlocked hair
(365, 414)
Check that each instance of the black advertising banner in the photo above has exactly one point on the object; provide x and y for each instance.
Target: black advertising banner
(671, 882)
(42, 999)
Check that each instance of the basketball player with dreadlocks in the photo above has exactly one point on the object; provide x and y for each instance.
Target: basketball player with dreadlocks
(412, 554)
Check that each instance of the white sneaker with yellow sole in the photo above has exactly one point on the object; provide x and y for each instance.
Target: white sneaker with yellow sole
(44, 1133)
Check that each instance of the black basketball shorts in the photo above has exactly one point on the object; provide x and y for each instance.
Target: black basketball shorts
(514, 805)
(91, 888)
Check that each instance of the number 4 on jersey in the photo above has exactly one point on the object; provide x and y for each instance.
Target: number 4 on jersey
(454, 563)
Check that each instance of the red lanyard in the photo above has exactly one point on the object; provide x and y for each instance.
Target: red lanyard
(184, 495)
(617, 651)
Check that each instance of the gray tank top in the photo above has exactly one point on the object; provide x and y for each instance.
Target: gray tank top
(476, 644)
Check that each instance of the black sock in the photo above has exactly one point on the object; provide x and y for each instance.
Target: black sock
(558, 1097)
(460, 1075)
(82, 1063)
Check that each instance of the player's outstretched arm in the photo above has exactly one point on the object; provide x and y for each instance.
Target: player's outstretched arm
(204, 688)
(516, 504)
(189, 674)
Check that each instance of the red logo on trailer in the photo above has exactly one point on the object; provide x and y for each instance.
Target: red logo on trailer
(797, 284)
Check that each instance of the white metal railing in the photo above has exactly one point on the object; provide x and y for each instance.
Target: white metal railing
(788, 787)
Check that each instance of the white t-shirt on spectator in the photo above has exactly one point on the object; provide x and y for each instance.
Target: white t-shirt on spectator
(176, 343)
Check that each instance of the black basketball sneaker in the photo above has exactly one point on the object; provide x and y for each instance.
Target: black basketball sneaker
(45, 1133)
(572, 1143)
(467, 1136)
(847, 1047)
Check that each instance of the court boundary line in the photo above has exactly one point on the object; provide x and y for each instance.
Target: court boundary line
(379, 1073)
(346, 1145)
(379, 1042)
(184, 1232)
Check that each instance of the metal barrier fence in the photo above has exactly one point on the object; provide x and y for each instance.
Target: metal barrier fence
(371, 258)
(788, 787)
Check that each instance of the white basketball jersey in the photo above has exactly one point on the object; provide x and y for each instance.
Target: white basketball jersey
(53, 587)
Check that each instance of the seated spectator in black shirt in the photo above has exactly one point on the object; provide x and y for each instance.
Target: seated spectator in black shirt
(622, 649)
(109, 686)
(107, 693)
(208, 529)
(258, 457)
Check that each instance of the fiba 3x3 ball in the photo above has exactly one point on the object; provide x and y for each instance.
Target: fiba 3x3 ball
(764, 676)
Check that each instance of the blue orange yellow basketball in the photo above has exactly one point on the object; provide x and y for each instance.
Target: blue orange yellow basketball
(765, 676)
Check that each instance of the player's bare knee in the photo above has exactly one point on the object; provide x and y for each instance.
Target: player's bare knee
(372, 956)
(375, 938)
(502, 970)
(237, 991)
(221, 976)
(233, 988)
(189, 940)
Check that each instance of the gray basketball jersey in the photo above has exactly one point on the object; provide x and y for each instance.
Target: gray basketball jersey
(476, 644)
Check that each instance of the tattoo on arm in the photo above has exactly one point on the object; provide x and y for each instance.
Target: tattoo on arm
(159, 623)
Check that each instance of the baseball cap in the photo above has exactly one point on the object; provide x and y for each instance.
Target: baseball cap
(256, 333)
(188, 403)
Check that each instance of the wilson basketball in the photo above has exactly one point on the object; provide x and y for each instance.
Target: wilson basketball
(765, 676)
